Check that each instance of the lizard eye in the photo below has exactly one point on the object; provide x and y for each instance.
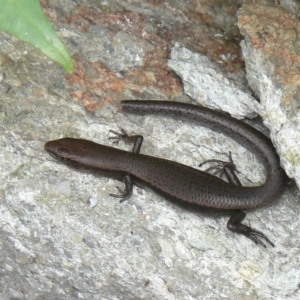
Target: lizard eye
(63, 152)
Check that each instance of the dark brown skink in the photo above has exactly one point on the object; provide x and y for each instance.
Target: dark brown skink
(185, 185)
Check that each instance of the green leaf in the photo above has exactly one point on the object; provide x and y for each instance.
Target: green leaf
(25, 20)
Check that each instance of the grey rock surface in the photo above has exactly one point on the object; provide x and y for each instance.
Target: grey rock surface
(54, 243)
(55, 246)
(272, 58)
(208, 85)
(292, 5)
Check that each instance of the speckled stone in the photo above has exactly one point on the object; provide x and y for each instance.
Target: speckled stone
(272, 56)
(54, 244)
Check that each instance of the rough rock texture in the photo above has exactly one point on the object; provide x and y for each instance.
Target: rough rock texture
(292, 5)
(207, 84)
(272, 55)
(54, 244)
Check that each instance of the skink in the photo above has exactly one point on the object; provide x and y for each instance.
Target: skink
(185, 185)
